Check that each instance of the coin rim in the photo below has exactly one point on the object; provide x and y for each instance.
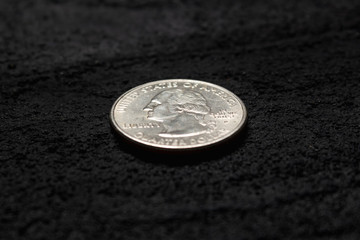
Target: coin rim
(181, 147)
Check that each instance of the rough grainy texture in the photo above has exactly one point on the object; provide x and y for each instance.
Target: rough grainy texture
(294, 173)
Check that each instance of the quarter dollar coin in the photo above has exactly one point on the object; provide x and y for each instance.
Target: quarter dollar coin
(178, 114)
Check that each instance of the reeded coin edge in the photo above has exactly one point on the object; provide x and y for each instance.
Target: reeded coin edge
(171, 147)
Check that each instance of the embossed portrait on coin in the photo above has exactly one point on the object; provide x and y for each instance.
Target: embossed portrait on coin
(181, 111)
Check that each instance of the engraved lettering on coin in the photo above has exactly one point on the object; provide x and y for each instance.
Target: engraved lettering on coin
(126, 102)
(181, 111)
(178, 114)
(225, 114)
(140, 125)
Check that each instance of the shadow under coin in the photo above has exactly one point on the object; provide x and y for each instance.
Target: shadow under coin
(181, 157)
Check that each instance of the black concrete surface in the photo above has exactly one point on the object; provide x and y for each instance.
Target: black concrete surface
(293, 174)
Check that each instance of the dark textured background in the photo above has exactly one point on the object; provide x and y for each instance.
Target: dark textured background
(294, 174)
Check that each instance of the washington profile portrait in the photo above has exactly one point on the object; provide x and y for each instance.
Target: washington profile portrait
(181, 111)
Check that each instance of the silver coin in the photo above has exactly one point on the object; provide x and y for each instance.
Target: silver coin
(178, 114)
